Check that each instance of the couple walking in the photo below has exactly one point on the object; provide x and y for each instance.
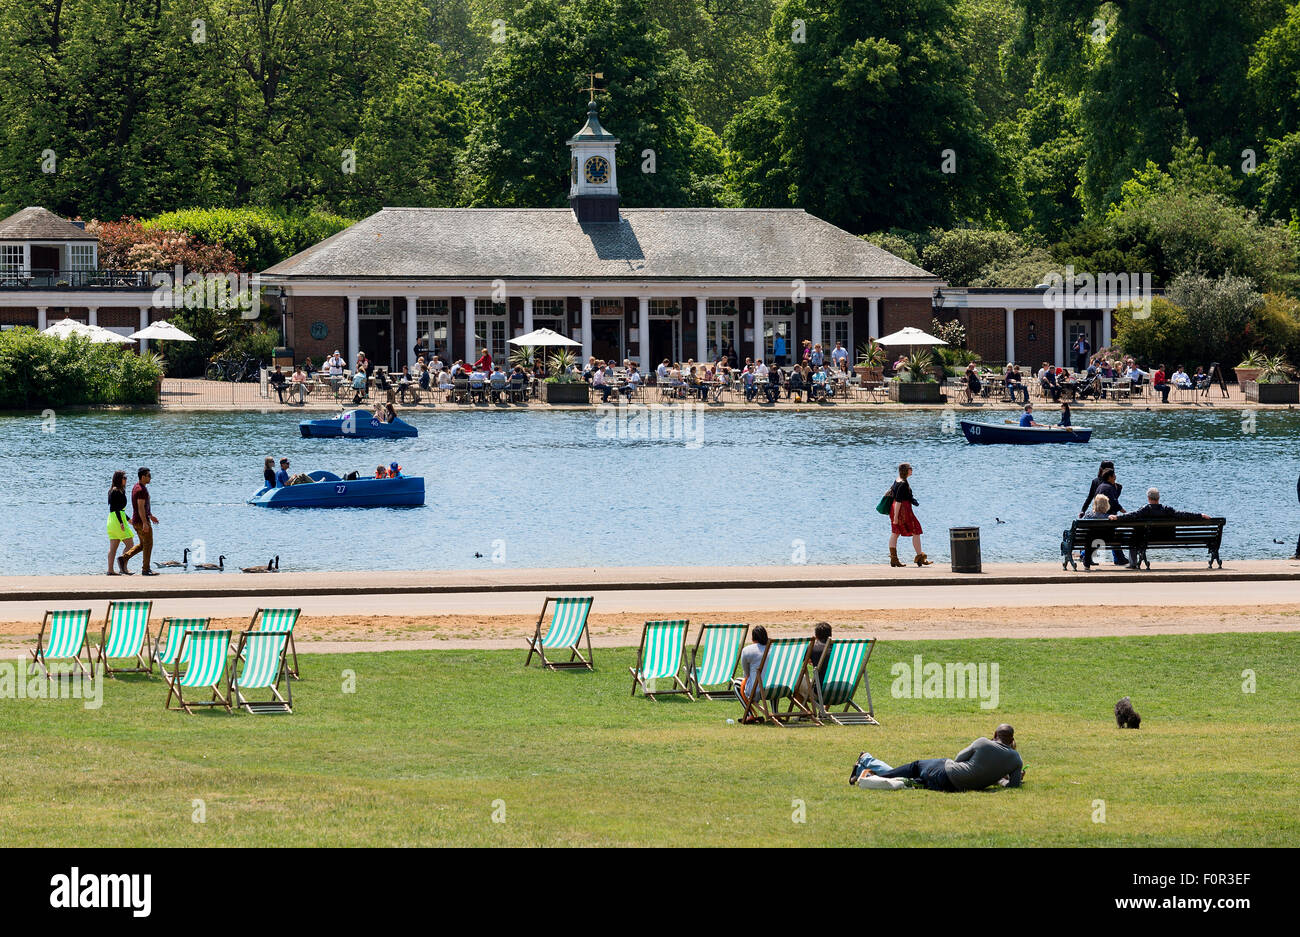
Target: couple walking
(119, 533)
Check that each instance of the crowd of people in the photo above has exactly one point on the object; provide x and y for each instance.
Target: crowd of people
(1096, 376)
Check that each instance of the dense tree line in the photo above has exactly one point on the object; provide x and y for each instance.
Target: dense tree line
(992, 140)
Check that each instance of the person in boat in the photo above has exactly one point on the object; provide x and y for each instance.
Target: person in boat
(394, 470)
(1027, 418)
(390, 412)
(282, 476)
(1065, 415)
(381, 472)
(268, 472)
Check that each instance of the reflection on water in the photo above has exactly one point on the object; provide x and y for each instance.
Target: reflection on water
(562, 489)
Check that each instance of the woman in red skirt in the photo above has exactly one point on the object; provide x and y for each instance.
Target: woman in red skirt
(901, 519)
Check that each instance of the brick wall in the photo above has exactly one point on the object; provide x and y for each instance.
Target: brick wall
(331, 310)
(1042, 348)
(904, 311)
(986, 333)
(113, 317)
(18, 315)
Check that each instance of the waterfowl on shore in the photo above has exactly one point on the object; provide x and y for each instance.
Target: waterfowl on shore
(272, 566)
(220, 564)
(172, 564)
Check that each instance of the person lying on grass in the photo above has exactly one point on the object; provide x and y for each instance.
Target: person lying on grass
(982, 763)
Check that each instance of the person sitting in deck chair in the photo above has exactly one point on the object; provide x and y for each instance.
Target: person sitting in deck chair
(980, 764)
(750, 658)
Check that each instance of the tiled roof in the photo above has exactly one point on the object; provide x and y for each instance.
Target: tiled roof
(40, 224)
(647, 244)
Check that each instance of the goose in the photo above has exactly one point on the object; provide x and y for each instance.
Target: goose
(172, 564)
(220, 564)
(272, 566)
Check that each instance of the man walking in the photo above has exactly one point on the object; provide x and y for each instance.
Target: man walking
(143, 523)
(980, 764)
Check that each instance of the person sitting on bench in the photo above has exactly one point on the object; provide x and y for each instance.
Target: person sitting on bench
(1155, 511)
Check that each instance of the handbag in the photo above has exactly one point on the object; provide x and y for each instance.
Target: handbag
(885, 504)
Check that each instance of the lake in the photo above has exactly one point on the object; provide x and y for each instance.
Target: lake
(534, 489)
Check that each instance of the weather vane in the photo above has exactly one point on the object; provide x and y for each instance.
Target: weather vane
(592, 86)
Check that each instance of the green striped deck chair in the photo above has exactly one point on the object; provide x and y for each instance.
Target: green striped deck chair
(260, 664)
(784, 664)
(845, 666)
(125, 635)
(714, 659)
(203, 655)
(568, 627)
(167, 644)
(279, 619)
(660, 657)
(65, 639)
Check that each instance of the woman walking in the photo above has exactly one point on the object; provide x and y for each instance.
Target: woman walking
(901, 519)
(119, 531)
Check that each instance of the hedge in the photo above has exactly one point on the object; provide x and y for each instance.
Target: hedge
(258, 237)
(42, 371)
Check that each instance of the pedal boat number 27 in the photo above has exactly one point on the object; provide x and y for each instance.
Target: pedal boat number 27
(327, 490)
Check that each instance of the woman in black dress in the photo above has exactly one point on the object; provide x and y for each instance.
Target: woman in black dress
(119, 531)
(902, 522)
(1109, 487)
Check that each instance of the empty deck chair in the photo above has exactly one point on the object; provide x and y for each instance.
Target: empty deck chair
(845, 666)
(167, 644)
(279, 619)
(203, 655)
(568, 626)
(126, 635)
(65, 639)
(784, 664)
(714, 659)
(663, 647)
(264, 665)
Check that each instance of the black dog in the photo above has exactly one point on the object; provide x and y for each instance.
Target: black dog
(1126, 717)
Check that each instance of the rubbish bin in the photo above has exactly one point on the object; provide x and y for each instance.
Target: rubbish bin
(964, 545)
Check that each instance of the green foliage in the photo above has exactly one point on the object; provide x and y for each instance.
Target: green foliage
(561, 365)
(1275, 370)
(896, 244)
(871, 354)
(258, 237)
(918, 367)
(1203, 319)
(969, 256)
(951, 331)
(1275, 328)
(45, 371)
(1155, 334)
(216, 333)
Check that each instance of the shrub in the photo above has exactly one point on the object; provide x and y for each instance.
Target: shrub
(130, 245)
(44, 371)
(1161, 334)
(257, 237)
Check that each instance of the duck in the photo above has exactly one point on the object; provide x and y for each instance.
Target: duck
(220, 564)
(273, 566)
(172, 564)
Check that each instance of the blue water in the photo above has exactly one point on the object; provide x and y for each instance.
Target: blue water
(562, 489)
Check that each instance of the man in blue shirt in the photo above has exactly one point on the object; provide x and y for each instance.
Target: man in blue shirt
(1027, 418)
(282, 476)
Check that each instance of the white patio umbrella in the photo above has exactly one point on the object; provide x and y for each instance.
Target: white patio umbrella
(541, 338)
(99, 336)
(910, 336)
(163, 331)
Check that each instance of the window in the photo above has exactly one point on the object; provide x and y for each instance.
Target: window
(665, 307)
(551, 314)
(11, 258)
(490, 322)
(433, 324)
(81, 257)
(375, 308)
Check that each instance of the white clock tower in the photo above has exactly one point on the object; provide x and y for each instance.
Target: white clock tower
(593, 178)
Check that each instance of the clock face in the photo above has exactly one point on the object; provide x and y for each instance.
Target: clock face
(597, 170)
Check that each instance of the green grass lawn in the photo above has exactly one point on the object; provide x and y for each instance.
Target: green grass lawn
(431, 743)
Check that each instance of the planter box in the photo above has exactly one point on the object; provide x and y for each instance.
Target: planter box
(1246, 374)
(918, 392)
(578, 392)
(1272, 393)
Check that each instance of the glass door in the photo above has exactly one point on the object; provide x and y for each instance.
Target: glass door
(778, 339)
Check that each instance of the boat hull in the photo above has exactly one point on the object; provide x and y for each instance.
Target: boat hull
(357, 424)
(1008, 434)
(328, 490)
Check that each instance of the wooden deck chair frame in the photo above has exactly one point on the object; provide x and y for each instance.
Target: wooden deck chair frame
(165, 627)
(576, 660)
(277, 703)
(859, 717)
(144, 651)
(39, 657)
(678, 685)
(759, 706)
(219, 641)
(255, 624)
(693, 672)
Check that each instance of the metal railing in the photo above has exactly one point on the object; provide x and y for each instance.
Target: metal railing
(46, 279)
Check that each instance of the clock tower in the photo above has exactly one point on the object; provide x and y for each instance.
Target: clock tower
(593, 180)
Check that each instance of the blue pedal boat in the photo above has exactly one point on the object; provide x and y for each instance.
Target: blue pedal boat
(1011, 433)
(357, 424)
(327, 490)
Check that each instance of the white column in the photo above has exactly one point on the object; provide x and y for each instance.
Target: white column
(471, 352)
(144, 324)
(586, 329)
(1058, 337)
(816, 335)
(873, 317)
(1011, 333)
(92, 315)
(354, 328)
(758, 328)
(42, 320)
(528, 314)
(701, 329)
(643, 317)
(412, 333)
(1105, 327)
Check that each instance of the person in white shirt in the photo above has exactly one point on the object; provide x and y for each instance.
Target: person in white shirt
(661, 372)
(760, 370)
(1180, 379)
(840, 356)
(600, 383)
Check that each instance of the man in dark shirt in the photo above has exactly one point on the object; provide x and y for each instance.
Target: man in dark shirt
(1154, 510)
(980, 764)
(143, 523)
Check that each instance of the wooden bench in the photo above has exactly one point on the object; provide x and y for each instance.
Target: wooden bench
(1139, 536)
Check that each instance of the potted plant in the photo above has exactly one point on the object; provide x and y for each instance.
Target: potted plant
(523, 356)
(1250, 367)
(915, 381)
(871, 362)
(563, 386)
(1274, 383)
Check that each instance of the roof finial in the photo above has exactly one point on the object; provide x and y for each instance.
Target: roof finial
(592, 86)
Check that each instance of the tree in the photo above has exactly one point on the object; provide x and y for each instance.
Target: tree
(1219, 311)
